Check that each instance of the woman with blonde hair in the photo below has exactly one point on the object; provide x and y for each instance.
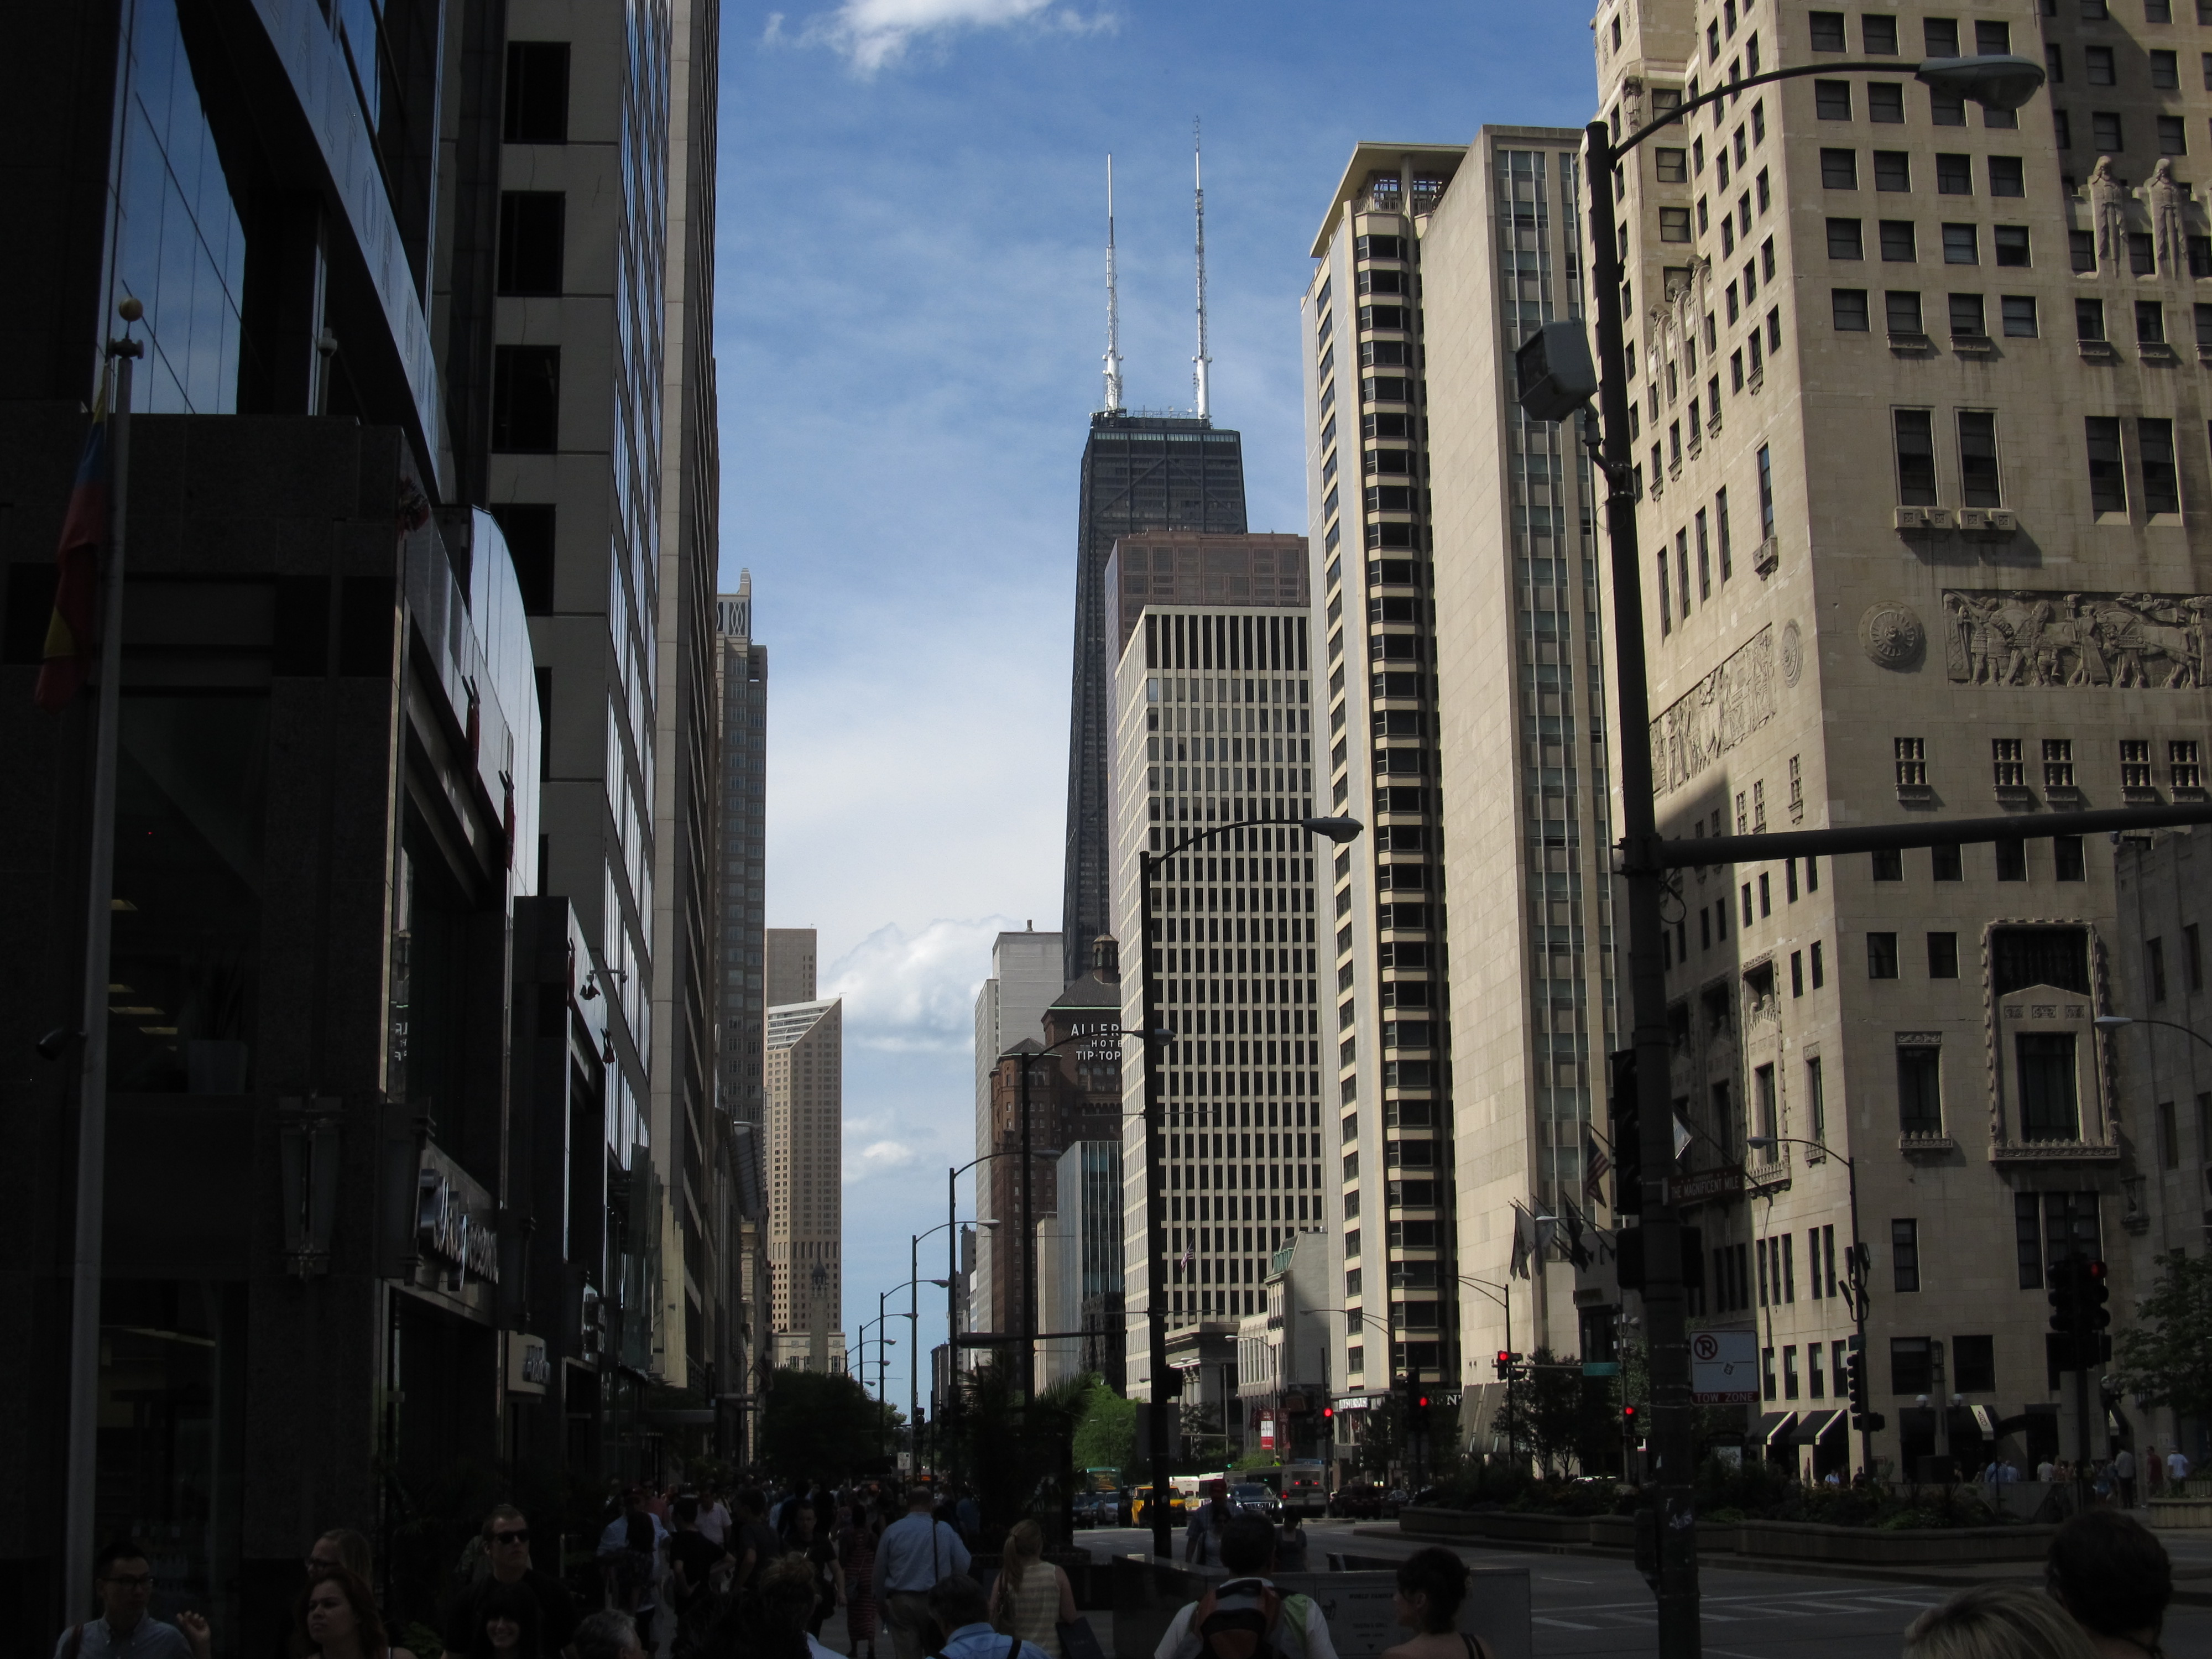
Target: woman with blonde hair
(1996, 1621)
(1031, 1599)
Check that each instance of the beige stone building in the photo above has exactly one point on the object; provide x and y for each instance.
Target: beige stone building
(1214, 701)
(1521, 622)
(805, 1166)
(1922, 437)
(1367, 458)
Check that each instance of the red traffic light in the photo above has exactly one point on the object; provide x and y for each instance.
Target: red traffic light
(1503, 1358)
(1327, 1412)
(2097, 1269)
(1628, 1411)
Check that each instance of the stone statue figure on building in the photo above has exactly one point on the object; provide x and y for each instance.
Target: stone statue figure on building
(2165, 194)
(2108, 208)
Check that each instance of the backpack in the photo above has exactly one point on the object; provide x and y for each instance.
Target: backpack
(1242, 1619)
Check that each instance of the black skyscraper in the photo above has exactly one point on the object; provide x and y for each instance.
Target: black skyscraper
(1140, 472)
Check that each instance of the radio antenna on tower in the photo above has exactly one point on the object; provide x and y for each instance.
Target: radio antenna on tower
(1113, 306)
(1201, 363)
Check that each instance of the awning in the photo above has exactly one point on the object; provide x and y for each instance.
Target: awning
(1772, 1426)
(1818, 1425)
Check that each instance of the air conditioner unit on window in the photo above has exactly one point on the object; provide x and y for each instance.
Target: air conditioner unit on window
(1972, 520)
(1939, 517)
(1908, 518)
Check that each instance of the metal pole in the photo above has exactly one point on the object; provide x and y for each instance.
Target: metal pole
(914, 1350)
(1029, 1247)
(1156, 1266)
(1673, 1447)
(1859, 1312)
(949, 1449)
(83, 1453)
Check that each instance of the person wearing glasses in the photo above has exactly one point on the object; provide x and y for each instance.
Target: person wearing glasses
(124, 1579)
(507, 1546)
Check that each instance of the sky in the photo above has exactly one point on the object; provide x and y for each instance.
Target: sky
(909, 317)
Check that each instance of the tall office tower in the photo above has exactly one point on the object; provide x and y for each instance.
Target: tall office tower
(1027, 973)
(2013, 622)
(741, 1007)
(789, 953)
(1140, 472)
(578, 393)
(805, 1160)
(1369, 479)
(1213, 724)
(691, 1145)
(1521, 691)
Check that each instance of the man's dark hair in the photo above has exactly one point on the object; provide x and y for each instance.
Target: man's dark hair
(604, 1634)
(687, 1510)
(1248, 1545)
(114, 1549)
(956, 1602)
(1441, 1577)
(753, 1501)
(2110, 1572)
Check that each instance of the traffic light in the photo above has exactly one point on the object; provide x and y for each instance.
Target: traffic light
(2096, 1314)
(1632, 1422)
(1855, 1385)
(1628, 1137)
(1416, 1412)
(1509, 1365)
(2066, 1302)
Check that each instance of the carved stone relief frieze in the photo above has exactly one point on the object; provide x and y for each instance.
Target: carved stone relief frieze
(2118, 640)
(1718, 712)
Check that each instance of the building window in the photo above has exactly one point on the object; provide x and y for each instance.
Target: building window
(1893, 170)
(2186, 771)
(1849, 307)
(1766, 493)
(1911, 756)
(2019, 311)
(2008, 760)
(2105, 132)
(1840, 169)
(1721, 525)
(2089, 318)
(2155, 446)
(1974, 1365)
(2150, 322)
(2006, 176)
(1888, 865)
(1962, 245)
(530, 242)
(1968, 321)
(1919, 1091)
(1885, 102)
(1844, 240)
(2097, 61)
(2154, 966)
(1942, 956)
(2069, 862)
(2142, 260)
(2049, 1107)
(1954, 175)
(1831, 100)
(2172, 135)
(525, 399)
(1816, 1100)
(537, 92)
(2058, 763)
(1905, 1255)
(1674, 224)
(527, 528)
(1897, 240)
(1901, 312)
(1827, 31)
(2135, 763)
(1915, 457)
(1881, 956)
(1948, 865)
(1911, 1370)
(1820, 969)
(2011, 859)
(2108, 490)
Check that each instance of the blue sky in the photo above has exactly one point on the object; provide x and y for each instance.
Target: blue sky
(909, 319)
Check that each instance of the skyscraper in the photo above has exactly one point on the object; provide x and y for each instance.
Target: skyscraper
(1027, 973)
(1521, 633)
(1943, 568)
(1368, 447)
(805, 1117)
(1140, 472)
(1213, 724)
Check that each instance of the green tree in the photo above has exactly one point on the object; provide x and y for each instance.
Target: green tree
(2166, 1355)
(1549, 1411)
(1106, 1433)
(825, 1427)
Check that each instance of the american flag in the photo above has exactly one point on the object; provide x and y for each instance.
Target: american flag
(1594, 1165)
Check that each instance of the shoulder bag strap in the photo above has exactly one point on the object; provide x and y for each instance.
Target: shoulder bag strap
(74, 1645)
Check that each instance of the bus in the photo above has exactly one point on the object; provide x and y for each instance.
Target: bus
(1301, 1485)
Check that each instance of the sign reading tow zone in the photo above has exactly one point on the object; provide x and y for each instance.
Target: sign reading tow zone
(1724, 1368)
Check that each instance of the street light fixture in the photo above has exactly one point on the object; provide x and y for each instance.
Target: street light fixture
(2003, 82)
(2114, 1022)
(1338, 831)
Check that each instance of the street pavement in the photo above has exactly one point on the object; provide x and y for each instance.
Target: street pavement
(1588, 1604)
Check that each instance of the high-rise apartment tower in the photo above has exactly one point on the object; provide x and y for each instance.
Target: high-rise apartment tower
(806, 1114)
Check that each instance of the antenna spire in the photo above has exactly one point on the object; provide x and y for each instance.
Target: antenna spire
(1201, 363)
(1113, 306)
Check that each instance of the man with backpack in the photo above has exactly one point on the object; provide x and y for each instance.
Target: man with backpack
(1245, 1616)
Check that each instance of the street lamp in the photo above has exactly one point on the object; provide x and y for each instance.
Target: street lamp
(2114, 1022)
(1557, 378)
(1336, 829)
(913, 1322)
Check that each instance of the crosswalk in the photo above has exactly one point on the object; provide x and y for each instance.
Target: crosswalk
(1742, 1609)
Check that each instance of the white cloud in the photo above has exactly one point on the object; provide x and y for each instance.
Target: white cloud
(915, 992)
(879, 1157)
(874, 33)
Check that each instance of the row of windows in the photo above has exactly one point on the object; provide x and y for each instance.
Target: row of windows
(1892, 170)
(1972, 1368)
(2108, 132)
(1939, 36)
(1884, 105)
(1898, 242)
(1904, 315)
(2009, 763)
(1714, 544)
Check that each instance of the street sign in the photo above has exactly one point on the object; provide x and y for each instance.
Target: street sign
(1600, 1368)
(1723, 1368)
(1710, 1183)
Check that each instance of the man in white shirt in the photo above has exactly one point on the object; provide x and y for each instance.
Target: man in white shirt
(913, 1556)
(1248, 1550)
(2177, 1466)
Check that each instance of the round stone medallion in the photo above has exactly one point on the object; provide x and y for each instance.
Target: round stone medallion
(1892, 635)
(1793, 653)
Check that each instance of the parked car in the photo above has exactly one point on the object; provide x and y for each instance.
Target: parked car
(1359, 1501)
(1098, 1508)
(1250, 1498)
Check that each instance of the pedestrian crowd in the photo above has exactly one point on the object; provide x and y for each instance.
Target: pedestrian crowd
(2114, 1481)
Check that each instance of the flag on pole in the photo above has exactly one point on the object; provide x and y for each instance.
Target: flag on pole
(71, 641)
(1595, 1165)
(1524, 1242)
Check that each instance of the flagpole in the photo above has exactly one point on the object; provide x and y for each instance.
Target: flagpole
(92, 1094)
